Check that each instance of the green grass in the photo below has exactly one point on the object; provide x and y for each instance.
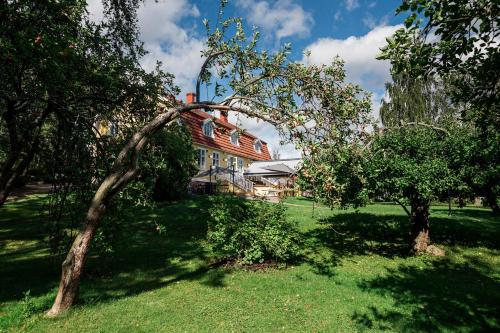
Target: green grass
(355, 275)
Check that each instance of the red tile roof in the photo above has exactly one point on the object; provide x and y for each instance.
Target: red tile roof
(221, 140)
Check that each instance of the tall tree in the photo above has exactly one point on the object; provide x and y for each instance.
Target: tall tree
(307, 104)
(459, 41)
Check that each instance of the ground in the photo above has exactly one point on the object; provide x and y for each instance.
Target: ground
(355, 275)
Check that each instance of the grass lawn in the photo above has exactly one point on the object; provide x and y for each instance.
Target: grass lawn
(355, 276)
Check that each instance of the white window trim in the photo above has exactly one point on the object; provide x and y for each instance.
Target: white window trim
(237, 138)
(215, 159)
(205, 122)
(238, 161)
(257, 141)
(200, 165)
(229, 164)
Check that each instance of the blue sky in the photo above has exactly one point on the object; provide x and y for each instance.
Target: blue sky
(173, 33)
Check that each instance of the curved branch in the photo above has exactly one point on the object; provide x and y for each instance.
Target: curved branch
(202, 71)
(404, 207)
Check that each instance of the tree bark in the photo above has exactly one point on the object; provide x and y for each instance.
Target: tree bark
(72, 266)
(419, 220)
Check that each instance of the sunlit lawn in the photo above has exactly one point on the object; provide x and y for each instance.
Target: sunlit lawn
(355, 275)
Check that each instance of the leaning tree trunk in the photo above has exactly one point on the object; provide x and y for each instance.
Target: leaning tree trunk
(419, 220)
(124, 170)
(72, 266)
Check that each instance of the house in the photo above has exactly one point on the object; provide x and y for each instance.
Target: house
(222, 147)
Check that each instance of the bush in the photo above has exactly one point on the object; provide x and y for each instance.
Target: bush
(251, 231)
(174, 162)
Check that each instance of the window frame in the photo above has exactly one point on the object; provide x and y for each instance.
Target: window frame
(236, 135)
(202, 156)
(215, 159)
(259, 143)
(208, 123)
(240, 164)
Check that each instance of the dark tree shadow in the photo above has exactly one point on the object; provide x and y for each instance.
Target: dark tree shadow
(443, 296)
(143, 261)
(348, 234)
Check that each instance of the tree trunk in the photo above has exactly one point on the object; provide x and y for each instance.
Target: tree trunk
(72, 266)
(419, 220)
(492, 201)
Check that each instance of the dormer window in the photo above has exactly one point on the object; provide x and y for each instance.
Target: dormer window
(257, 145)
(208, 128)
(235, 138)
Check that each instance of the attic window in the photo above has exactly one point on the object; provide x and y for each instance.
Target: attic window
(208, 128)
(235, 138)
(257, 145)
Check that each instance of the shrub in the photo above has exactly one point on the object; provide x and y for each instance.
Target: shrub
(174, 162)
(251, 231)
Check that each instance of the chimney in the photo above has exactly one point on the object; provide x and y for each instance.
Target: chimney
(190, 98)
(223, 116)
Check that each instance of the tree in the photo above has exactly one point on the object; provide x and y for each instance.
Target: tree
(62, 69)
(409, 166)
(416, 100)
(459, 42)
(414, 158)
(308, 105)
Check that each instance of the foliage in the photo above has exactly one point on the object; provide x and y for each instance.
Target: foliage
(409, 165)
(334, 175)
(459, 42)
(450, 37)
(417, 100)
(251, 231)
(177, 165)
(63, 73)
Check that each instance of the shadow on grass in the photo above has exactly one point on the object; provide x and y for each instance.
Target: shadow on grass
(443, 296)
(145, 260)
(348, 234)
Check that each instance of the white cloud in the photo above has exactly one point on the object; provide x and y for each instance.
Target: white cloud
(283, 18)
(176, 47)
(359, 54)
(351, 4)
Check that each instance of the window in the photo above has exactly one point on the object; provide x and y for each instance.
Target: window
(235, 138)
(257, 145)
(208, 128)
(215, 159)
(231, 160)
(201, 158)
(240, 165)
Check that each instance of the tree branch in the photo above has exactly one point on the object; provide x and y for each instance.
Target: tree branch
(202, 71)
(404, 207)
